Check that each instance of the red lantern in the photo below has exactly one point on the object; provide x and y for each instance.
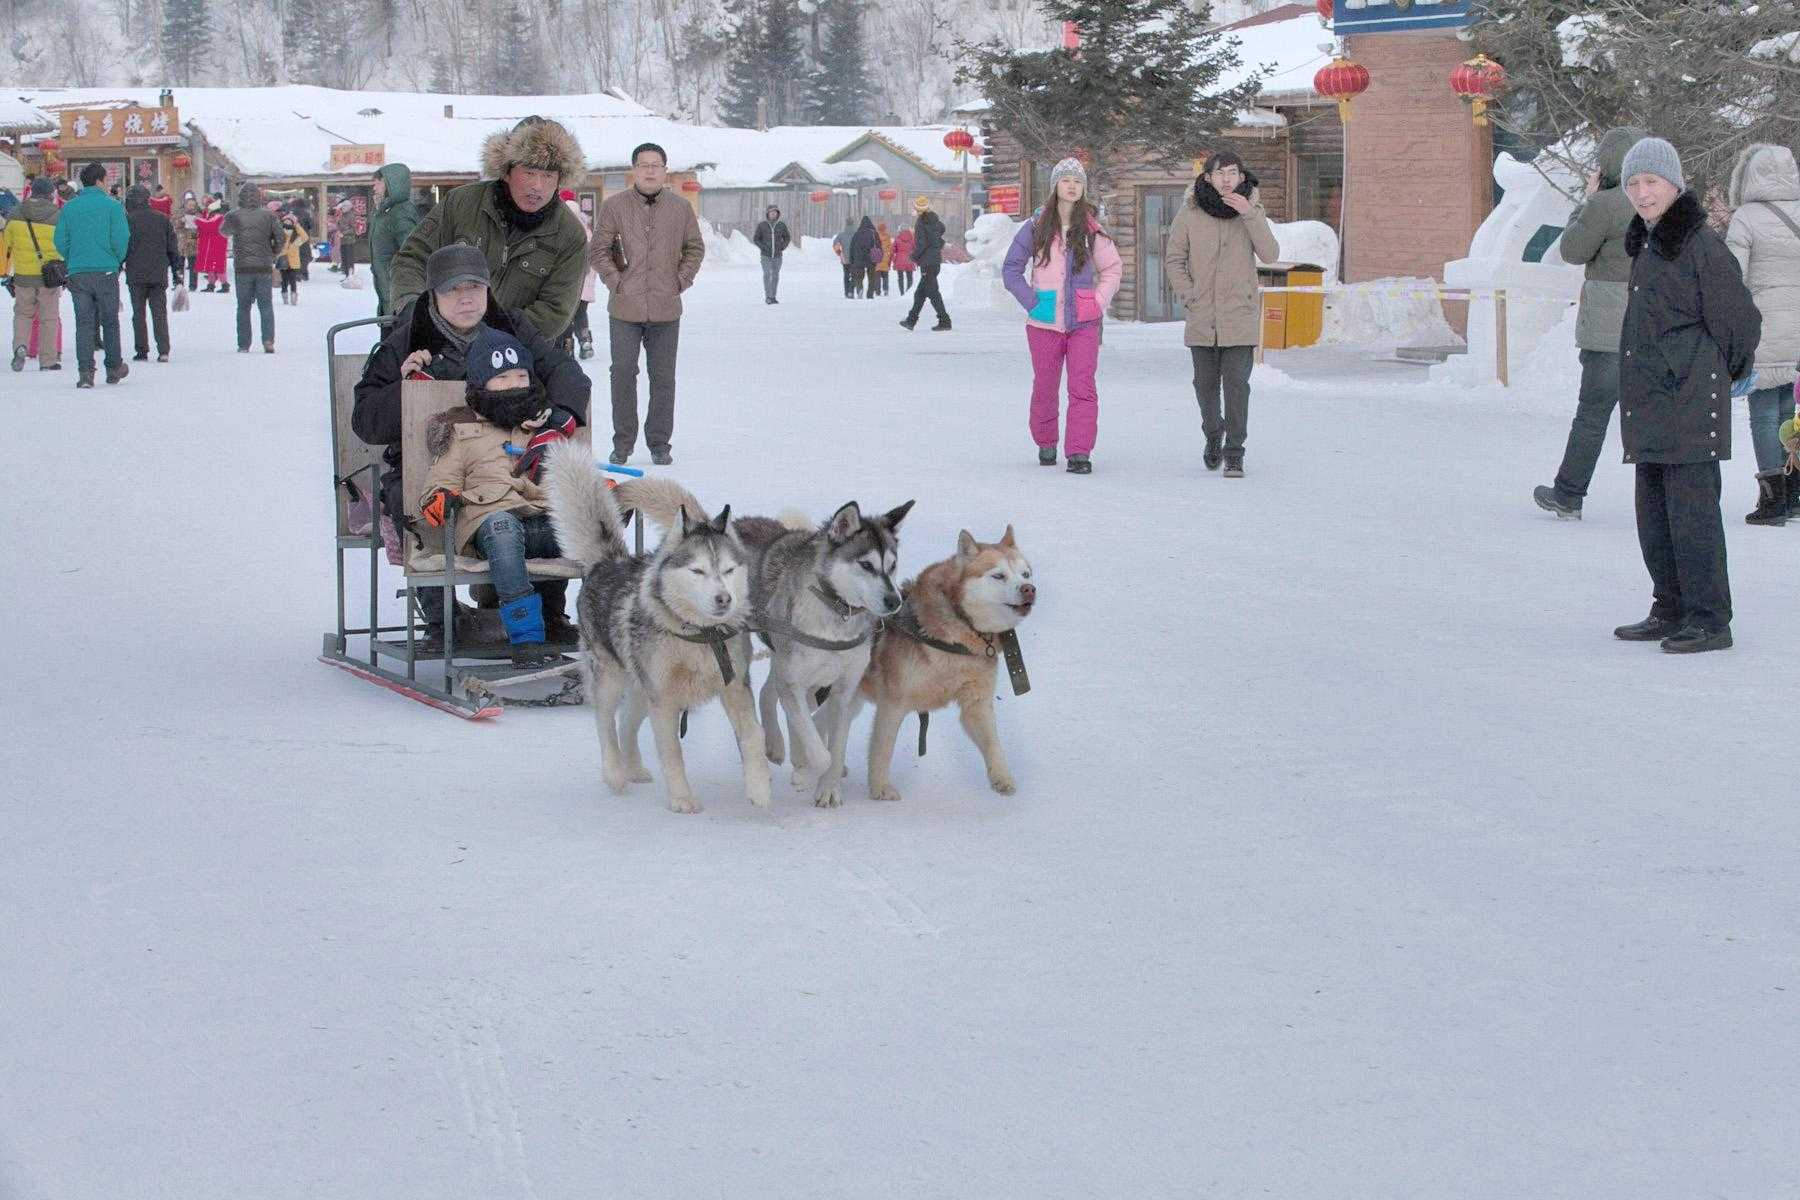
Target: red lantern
(977, 150)
(1071, 36)
(49, 145)
(1342, 80)
(1478, 81)
(959, 140)
(690, 186)
(889, 193)
(819, 197)
(1324, 7)
(182, 161)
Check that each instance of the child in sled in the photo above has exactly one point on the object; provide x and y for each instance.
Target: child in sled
(503, 514)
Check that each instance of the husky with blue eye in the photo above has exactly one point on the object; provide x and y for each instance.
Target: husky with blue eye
(665, 631)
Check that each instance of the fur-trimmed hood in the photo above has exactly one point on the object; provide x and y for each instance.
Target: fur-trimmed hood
(540, 144)
(441, 427)
(1671, 232)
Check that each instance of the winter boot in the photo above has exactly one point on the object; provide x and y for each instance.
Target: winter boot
(661, 458)
(1046, 456)
(141, 356)
(1650, 629)
(224, 289)
(1771, 500)
(84, 379)
(268, 347)
(18, 361)
(1079, 465)
(1566, 508)
(1696, 640)
(524, 621)
(162, 358)
(587, 343)
(907, 323)
(1234, 464)
(1213, 454)
(943, 325)
(209, 288)
(617, 459)
(114, 374)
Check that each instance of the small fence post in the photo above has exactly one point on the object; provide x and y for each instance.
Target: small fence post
(1500, 369)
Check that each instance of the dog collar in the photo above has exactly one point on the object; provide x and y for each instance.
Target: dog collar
(718, 637)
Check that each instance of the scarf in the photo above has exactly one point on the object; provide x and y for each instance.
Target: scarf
(1207, 197)
(460, 341)
(513, 407)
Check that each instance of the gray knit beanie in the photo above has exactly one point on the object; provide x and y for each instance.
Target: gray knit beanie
(1653, 156)
(1066, 168)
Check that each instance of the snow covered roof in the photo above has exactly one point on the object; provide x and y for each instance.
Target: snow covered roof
(922, 143)
(851, 173)
(17, 115)
(1295, 48)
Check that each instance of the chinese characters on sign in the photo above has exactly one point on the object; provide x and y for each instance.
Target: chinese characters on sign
(1004, 199)
(101, 129)
(351, 155)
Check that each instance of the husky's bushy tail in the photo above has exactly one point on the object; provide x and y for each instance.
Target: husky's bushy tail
(582, 509)
(660, 501)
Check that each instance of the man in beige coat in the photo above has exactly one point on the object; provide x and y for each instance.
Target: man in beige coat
(647, 250)
(1211, 264)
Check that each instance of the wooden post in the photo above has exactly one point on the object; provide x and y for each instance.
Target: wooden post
(1500, 337)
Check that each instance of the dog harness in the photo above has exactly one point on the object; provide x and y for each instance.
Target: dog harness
(906, 623)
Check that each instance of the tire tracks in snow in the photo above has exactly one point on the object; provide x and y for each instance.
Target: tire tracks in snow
(470, 1061)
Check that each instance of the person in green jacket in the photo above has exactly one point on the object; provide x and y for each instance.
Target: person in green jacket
(535, 247)
(93, 236)
(394, 220)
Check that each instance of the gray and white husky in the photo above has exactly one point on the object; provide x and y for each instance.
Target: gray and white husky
(818, 594)
(651, 624)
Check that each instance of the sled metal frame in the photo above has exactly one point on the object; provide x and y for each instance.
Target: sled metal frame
(360, 466)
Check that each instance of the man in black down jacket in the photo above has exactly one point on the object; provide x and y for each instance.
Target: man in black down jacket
(928, 252)
(153, 260)
(430, 335)
(1691, 328)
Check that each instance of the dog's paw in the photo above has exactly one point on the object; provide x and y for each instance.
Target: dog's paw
(758, 794)
(804, 781)
(774, 750)
(683, 804)
(886, 791)
(617, 779)
(1003, 783)
(638, 774)
(826, 795)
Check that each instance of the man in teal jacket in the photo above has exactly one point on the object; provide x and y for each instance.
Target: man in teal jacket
(92, 235)
(394, 220)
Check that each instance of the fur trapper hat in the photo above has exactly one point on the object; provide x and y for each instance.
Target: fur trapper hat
(537, 143)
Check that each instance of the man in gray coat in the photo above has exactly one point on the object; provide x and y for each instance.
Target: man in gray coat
(256, 239)
(1595, 240)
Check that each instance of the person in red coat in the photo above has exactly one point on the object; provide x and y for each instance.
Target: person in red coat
(904, 265)
(162, 202)
(210, 256)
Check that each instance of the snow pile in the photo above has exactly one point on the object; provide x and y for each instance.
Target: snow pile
(1775, 49)
(732, 249)
(1580, 39)
(1387, 312)
(1312, 242)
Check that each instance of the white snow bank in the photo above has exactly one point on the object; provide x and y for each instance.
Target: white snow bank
(1397, 311)
(1312, 242)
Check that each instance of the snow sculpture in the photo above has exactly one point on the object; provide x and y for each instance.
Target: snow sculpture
(1539, 293)
(977, 284)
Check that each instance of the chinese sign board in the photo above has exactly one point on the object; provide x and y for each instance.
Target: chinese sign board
(1392, 16)
(344, 156)
(1004, 199)
(108, 128)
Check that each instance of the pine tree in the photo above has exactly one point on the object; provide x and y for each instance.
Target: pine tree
(841, 87)
(1146, 75)
(517, 67)
(765, 75)
(186, 39)
(1711, 78)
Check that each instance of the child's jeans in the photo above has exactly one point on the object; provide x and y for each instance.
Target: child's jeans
(1050, 349)
(506, 542)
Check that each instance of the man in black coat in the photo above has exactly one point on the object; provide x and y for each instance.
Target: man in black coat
(772, 238)
(1691, 328)
(928, 252)
(862, 254)
(152, 261)
(430, 337)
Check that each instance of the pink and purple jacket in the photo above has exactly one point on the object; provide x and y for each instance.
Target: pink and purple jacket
(1044, 289)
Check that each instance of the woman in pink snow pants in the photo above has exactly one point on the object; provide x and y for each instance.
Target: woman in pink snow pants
(1064, 270)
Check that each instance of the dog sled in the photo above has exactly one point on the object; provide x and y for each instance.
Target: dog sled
(410, 557)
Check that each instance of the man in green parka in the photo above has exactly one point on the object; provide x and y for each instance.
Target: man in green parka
(535, 246)
(389, 228)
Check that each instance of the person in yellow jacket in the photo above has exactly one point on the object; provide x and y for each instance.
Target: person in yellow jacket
(290, 259)
(30, 237)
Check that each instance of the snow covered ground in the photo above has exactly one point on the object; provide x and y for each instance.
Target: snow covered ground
(1351, 857)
